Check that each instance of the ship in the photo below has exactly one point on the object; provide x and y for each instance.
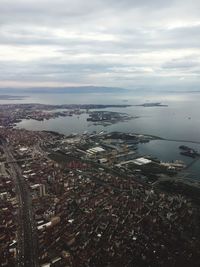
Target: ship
(189, 153)
(184, 147)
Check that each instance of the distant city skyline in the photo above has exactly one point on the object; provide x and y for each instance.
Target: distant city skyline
(127, 44)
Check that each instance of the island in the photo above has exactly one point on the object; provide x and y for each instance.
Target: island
(148, 105)
(109, 117)
(11, 97)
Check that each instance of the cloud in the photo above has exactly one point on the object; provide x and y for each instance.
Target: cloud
(184, 63)
(101, 42)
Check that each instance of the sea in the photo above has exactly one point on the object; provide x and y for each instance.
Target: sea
(178, 122)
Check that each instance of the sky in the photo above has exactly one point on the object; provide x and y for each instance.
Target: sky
(129, 44)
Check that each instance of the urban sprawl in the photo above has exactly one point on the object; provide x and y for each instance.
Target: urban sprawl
(91, 200)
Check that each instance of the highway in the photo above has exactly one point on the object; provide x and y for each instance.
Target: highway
(27, 250)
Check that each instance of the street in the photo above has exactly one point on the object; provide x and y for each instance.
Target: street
(27, 234)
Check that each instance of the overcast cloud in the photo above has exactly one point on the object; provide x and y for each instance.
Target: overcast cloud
(100, 42)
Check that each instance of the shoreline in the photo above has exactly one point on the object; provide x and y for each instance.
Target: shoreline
(166, 139)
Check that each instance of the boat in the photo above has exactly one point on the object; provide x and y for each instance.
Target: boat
(184, 147)
(189, 153)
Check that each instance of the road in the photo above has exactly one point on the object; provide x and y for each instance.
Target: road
(27, 235)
